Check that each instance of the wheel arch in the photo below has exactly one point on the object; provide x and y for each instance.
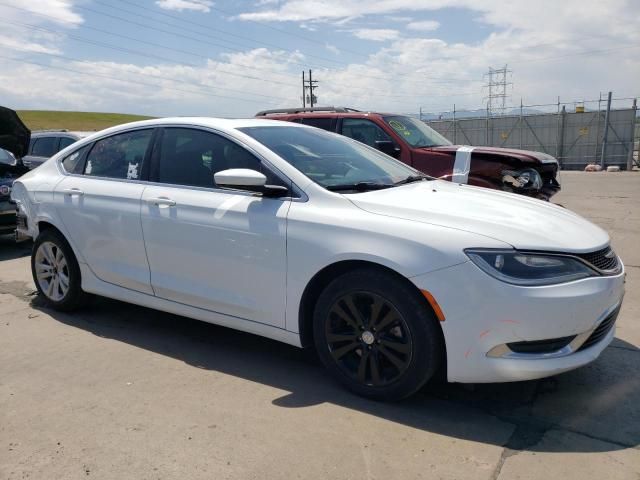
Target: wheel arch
(322, 279)
(44, 225)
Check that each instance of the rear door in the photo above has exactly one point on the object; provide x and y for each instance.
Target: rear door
(99, 203)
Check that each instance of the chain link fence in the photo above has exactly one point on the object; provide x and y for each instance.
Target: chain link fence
(576, 133)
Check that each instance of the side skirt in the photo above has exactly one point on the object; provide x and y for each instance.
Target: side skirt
(92, 284)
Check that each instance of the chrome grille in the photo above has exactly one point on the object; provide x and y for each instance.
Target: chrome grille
(603, 260)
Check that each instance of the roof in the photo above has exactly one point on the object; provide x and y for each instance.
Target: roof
(77, 133)
(321, 112)
(305, 110)
(211, 122)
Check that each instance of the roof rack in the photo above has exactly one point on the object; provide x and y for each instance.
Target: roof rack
(303, 110)
(51, 130)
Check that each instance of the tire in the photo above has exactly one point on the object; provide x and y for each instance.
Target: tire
(397, 345)
(53, 260)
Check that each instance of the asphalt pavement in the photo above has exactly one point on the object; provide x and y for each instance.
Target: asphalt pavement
(123, 392)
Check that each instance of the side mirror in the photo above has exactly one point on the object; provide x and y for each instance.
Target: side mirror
(250, 180)
(388, 147)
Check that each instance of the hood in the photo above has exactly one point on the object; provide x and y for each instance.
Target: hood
(14, 135)
(522, 222)
(523, 155)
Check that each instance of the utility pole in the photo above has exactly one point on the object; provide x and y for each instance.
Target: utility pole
(497, 89)
(309, 85)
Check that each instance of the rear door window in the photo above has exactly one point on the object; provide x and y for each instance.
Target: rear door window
(45, 146)
(119, 156)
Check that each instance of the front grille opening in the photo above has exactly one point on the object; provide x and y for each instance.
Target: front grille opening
(604, 259)
(541, 346)
(601, 331)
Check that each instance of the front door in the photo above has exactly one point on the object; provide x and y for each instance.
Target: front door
(210, 248)
(100, 209)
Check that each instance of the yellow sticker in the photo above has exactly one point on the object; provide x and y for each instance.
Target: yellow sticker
(583, 131)
(396, 125)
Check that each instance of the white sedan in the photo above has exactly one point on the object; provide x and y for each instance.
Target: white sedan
(314, 239)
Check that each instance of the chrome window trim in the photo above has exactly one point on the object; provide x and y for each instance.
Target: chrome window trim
(303, 197)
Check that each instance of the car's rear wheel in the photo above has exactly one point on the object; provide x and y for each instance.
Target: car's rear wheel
(56, 272)
(376, 335)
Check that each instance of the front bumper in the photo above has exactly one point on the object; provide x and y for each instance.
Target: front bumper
(483, 314)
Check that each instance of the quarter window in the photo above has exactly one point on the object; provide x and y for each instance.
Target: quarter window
(364, 131)
(44, 146)
(192, 157)
(119, 156)
(72, 163)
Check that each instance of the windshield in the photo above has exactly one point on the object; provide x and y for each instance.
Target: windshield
(331, 160)
(415, 132)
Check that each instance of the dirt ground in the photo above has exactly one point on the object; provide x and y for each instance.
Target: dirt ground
(122, 392)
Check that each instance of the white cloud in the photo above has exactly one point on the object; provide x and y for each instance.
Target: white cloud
(376, 34)
(397, 76)
(20, 45)
(16, 38)
(180, 5)
(60, 11)
(332, 48)
(424, 26)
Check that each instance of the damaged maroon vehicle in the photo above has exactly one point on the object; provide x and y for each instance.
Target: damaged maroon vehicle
(415, 143)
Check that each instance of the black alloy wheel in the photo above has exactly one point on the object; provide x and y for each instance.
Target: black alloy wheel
(368, 338)
(376, 334)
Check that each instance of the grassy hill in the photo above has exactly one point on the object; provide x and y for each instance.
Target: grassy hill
(49, 119)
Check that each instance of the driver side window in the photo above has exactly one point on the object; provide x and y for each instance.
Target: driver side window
(364, 131)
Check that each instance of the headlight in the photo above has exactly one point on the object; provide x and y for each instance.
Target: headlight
(528, 178)
(529, 269)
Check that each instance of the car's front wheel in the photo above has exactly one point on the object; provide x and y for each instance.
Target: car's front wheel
(56, 272)
(376, 335)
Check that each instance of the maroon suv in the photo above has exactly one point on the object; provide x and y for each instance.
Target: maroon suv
(416, 144)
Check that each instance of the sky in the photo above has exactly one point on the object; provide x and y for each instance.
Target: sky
(233, 58)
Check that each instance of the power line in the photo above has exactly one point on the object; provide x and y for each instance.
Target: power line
(188, 64)
(143, 54)
(201, 86)
(293, 34)
(208, 28)
(447, 80)
(94, 74)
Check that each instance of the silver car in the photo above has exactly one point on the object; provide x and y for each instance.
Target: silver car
(46, 143)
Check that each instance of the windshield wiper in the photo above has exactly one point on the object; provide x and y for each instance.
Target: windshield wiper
(413, 178)
(358, 187)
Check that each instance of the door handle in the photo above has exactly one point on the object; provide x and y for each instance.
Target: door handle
(161, 201)
(73, 191)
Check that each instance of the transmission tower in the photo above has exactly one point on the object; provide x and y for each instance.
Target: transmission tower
(496, 86)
